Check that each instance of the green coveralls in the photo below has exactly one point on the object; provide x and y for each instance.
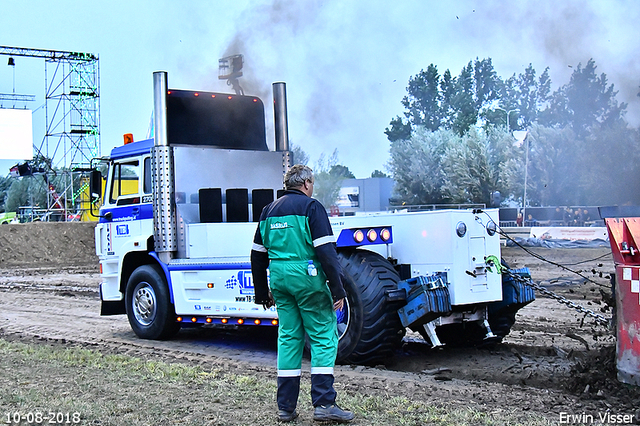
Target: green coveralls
(304, 305)
(292, 231)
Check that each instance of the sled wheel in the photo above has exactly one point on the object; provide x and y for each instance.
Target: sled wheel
(148, 304)
(368, 325)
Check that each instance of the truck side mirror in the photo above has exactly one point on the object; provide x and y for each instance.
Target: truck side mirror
(95, 185)
(95, 190)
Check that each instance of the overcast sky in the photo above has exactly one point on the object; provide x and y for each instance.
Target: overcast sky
(346, 63)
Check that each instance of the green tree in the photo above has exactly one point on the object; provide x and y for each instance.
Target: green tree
(444, 167)
(423, 101)
(299, 156)
(487, 83)
(435, 101)
(473, 166)
(467, 174)
(522, 97)
(5, 184)
(552, 170)
(379, 174)
(26, 191)
(463, 103)
(532, 95)
(341, 171)
(398, 130)
(416, 166)
(585, 103)
(575, 144)
(610, 156)
(326, 186)
(34, 190)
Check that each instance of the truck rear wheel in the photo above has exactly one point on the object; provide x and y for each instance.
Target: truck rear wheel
(369, 327)
(148, 304)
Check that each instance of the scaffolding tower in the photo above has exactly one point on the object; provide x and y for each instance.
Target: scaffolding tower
(72, 128)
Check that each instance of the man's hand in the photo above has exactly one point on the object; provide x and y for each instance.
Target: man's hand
(268, 303)
(338, 304)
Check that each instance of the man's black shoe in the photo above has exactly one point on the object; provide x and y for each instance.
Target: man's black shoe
(286, 416)
(329, 413)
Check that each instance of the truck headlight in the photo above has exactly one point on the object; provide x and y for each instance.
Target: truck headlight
(461, 229)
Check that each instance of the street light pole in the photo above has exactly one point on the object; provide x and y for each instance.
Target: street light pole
(526, 168)
(508, 114)
(526, 163)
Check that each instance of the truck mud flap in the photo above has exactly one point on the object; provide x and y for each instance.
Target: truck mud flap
(112, 307)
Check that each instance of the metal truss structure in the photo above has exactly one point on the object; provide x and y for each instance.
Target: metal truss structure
(72, 135)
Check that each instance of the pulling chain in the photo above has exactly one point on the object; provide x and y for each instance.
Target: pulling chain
(599, 319)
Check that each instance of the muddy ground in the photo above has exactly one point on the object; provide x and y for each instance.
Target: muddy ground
(554, 361)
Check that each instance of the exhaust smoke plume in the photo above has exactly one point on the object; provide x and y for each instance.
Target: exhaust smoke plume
(347, 64)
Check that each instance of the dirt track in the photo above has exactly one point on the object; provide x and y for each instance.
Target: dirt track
(553, 361)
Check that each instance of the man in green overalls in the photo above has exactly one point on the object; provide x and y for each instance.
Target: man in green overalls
(295, 241)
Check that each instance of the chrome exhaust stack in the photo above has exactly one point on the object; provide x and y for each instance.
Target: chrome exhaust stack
(281, 124)
(162, 174)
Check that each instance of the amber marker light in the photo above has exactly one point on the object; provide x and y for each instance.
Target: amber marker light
(179, 319)
(230, 97)
(209, 320)
(274, 322)
(194, 319)
(256, 322)
(372, 235)
(240, 321)
(224, 320)
(213, 96)
(210, 285)
(128, 138)
(358, 236)
(196, 94)
(385, 234)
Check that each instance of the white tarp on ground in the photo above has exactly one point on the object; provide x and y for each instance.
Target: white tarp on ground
(563, 237)
(569, 233)
(551, 243)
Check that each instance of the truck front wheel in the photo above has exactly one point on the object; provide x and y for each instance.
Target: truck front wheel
(148, 304)
(368, 325)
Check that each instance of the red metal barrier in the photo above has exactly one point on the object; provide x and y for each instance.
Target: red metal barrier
(624, 236)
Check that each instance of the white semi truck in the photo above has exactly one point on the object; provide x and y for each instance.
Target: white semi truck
(179, 212)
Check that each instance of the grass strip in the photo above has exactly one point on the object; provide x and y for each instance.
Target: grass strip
(108, 389)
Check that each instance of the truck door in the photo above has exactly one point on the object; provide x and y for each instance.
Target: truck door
(129, 201)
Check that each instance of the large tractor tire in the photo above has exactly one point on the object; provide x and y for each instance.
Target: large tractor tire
(148, 304)
(369, 327)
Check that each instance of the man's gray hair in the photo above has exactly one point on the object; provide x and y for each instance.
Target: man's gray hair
(297, 176)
